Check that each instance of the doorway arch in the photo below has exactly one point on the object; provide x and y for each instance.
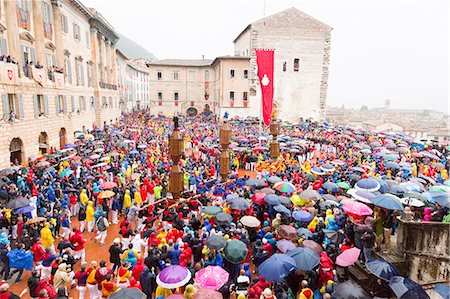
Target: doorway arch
(16, 153)
(62, 138)
(191, 111)
(43, 142)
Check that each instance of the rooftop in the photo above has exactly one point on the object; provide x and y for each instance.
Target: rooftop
(182, 62)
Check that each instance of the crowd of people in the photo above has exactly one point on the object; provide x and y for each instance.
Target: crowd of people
(276, 228)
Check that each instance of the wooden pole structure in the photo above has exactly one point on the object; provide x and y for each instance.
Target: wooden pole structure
(225, 140)
(176, 151)
(274, 145)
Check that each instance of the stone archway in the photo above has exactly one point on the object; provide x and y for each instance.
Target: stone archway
(16, 153)
(62, 138)
(191, 111)
(43, 142)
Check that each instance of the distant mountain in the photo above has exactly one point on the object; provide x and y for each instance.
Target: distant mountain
(132, 50)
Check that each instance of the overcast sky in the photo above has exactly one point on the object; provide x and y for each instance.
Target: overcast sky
(380, 50)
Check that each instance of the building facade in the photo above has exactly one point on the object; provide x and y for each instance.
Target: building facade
(230, 83)
(53, 75)
(302, 55)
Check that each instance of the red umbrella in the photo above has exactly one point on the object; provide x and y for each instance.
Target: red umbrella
(316, 247)
(259, 149)
(108, 185)
(258, 198)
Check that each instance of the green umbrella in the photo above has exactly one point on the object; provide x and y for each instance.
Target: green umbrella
(438, 188)
(122, 144)
(389, 158)
(447, 183)
(235, 251)
(343, 185)
(211, 210)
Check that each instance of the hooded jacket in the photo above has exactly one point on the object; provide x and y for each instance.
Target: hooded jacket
(61, 277)
(138, 268)
(46, 235)
(83, 197)
(127, 199)
(148, 282)
(90, 212)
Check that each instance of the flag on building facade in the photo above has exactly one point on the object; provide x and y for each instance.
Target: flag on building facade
(264, 60)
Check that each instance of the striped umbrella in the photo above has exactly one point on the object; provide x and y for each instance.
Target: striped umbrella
(284, 187)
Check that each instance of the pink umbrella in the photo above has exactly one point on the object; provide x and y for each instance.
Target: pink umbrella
(348, 257)
(357, 208)
(212, 277)
(207, 294)
(108, 185)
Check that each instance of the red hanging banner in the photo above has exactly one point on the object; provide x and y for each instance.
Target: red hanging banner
(264, 60)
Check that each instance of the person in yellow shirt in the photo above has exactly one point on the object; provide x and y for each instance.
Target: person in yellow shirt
(83, 197)
(90, 216)
(160, 291)
(137, 197)
(123, 275)
(47, 237)
(189, 291)
(127, 200)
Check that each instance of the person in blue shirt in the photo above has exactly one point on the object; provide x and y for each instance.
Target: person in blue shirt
(174, 255)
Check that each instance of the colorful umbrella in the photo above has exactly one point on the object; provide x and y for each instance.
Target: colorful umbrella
(216, 242)
(387, 201)
(258, 198)
(106, 194)
(405, 288)
(285, 245)
(211, 210)
(314, 246)
(348, 257)
(302, 216)
(287, 232)
(357, 208)
(173, 276)
(207, 294)
(108, 185)
(276, 267)
(369, 185)
(211, 277)
(382, 269)
(284, 187)
(296, 200)
(250, 221)
(235, 251)
(343, 185)
(305, 258)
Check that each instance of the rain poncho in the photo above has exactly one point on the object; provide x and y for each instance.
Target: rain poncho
(20, 259)
(127, 199)
(46, 235)
(83, 197)
(4, 239)
(90, 212)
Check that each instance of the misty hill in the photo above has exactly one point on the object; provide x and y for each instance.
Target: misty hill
(132, 50)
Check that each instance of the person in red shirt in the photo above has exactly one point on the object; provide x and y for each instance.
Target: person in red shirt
(137, 269)
(73, 204)
(38, 251)
(78, 241)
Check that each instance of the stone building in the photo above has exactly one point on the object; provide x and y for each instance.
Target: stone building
(181, 86)
(302, 55)
(230, 83)
(56, 74)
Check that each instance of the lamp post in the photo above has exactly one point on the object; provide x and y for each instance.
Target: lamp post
(274, 145)
(225, 140)
(176, 151)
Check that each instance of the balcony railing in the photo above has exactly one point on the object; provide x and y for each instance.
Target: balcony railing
(107, 85)
(23, 18)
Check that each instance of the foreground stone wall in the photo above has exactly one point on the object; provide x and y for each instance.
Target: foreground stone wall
(427, 249)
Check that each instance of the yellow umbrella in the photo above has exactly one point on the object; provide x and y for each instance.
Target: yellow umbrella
(296, 200)
(88, 136)
(106, 194)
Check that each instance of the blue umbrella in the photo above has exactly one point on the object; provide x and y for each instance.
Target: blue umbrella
(24, 210)
(255, 183)
(410, 187)
(274, 179)
(383, 185)
(66, 172)
(283, 210)
(330, 187)
(405, 288)
(302, 216)
(443, 290)
(276, 267)
(232, 196)
(387, 201)
(304, 233)
(391, 165)
(329, 197)
(272, 199)
(396, 190)
(305, 258)
(443, 199)
(369, 185)
(382, 269)
(239, 204)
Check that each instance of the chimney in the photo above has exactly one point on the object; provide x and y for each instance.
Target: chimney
(203, 57)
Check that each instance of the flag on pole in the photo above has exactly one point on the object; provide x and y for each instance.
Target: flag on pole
(264, 60)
